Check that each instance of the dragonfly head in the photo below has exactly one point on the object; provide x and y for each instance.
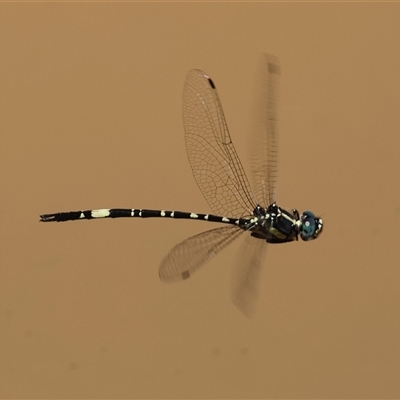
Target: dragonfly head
(311, 226)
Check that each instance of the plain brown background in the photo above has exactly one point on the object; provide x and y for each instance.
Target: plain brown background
(91, 118)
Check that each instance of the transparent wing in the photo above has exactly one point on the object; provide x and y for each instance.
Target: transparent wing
(264, 134)
(246, 275)
(212, 156)
(188, 256)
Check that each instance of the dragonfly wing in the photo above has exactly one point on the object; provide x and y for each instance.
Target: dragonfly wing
(247, 274)
(212, 156)
(263, 141)
(187, 257)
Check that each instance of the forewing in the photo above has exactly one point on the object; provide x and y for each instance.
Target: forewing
(212, 156)
(187, 257)
(264, 134)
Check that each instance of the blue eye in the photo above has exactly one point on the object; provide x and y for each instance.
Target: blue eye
(311, 226)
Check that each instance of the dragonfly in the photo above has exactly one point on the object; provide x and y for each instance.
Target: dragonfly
(241, 208)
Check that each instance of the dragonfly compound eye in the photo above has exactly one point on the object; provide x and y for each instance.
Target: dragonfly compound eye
(311, 226)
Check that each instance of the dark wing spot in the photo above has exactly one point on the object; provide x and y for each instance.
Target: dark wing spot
(274, 68)
(185, 275)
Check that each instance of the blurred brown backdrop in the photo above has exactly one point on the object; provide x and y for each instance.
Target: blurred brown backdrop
(91, 117)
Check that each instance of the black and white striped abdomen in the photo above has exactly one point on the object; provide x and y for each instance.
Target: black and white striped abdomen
(138, 213)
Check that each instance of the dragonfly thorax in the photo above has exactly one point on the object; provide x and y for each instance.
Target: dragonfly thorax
(277, 225)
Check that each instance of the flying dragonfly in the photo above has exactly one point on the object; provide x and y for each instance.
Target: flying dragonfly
(243, 209)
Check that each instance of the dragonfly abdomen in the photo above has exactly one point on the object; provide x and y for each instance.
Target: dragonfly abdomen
(138, 213)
